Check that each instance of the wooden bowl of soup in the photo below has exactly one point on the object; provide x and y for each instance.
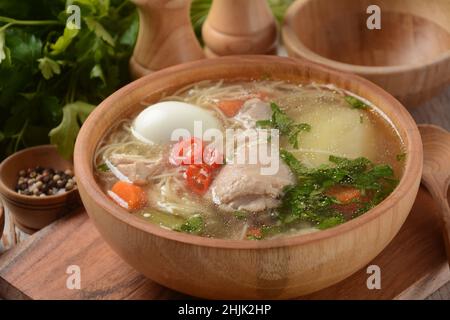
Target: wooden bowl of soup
(350, 167)
(409, 56)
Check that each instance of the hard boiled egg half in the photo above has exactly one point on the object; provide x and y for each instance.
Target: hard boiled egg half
(156, 123)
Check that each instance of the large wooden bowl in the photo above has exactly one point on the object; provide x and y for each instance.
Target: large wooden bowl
(409, 56)
(2, 220)
(215, 268)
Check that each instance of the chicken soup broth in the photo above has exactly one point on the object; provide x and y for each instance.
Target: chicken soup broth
(338, 156)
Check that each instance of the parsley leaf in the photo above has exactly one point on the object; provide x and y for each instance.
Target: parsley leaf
(103, 167)
(308, 200)
(193, 224)
(2, 46)
(356, 103)
(296, 166)
(240, 215)
(64, 41)
(65, 134)
(49, 67)
(287, 126)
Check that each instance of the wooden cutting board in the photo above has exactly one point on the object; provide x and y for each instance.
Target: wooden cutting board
(412, 267)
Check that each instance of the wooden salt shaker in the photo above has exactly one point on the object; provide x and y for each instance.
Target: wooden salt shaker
(165, 38)
(239, 27)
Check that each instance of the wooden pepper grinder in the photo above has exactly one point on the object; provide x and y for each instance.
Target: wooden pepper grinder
(165, 38)
(239, 27)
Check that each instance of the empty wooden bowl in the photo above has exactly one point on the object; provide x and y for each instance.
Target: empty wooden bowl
(216, 268)
(409, 56)
(34, 213)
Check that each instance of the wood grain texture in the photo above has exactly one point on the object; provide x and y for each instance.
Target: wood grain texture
(2, 220)
(12, 234)
(422, 261)
(436, 111)
(409, 56)
(412, 266)
(239, 27)
(165, 38)
(70, 241)
(442, 294)
(436, 172)
(279, 268)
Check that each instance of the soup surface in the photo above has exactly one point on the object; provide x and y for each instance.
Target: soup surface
(333, 156)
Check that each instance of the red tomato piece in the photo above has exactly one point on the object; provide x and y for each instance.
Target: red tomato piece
(198, 178)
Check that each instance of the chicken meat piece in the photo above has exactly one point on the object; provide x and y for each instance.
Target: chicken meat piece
(136, 169)
(243, 187)
(252, 111)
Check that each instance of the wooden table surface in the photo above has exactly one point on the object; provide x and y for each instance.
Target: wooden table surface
(435, 111)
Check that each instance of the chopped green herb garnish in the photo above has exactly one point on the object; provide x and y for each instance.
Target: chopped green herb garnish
(103, 167)
(356, 103)
(287, 127)
(193, 224)
(264, 123)
(401, 156)
(296, 166)
(331, 222)
(241, 215)
(308, 199)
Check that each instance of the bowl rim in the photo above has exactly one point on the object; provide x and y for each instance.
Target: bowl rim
(2, 219)
(84, 163)
(293, 43)
(10, 194)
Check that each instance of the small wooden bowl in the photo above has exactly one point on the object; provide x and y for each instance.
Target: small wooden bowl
(408, 57)
(216, 268)
(34, 213)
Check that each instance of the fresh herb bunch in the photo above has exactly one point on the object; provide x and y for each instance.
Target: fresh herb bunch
(51, 76)
(307, 200)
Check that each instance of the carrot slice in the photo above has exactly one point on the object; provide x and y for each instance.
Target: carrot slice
(230, 107)
(254, 233)
(132, 196)
(344, 194)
